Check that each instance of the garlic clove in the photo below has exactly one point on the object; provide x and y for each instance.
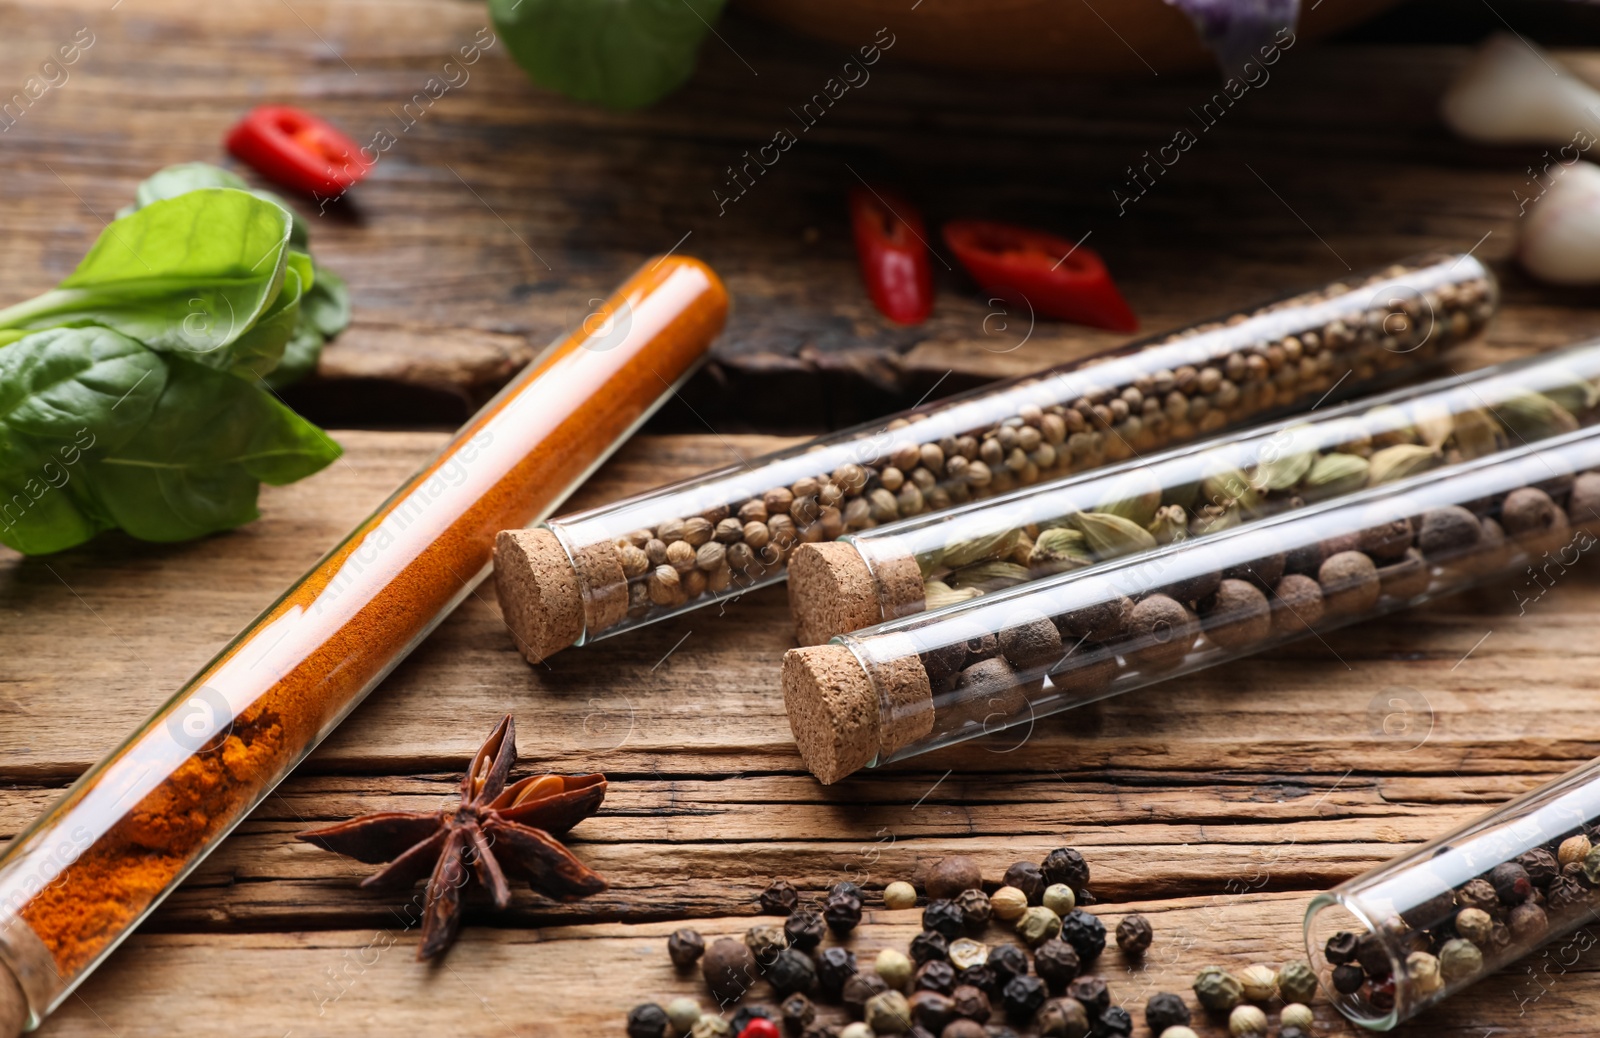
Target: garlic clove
(1513, 93)
(1560, 240)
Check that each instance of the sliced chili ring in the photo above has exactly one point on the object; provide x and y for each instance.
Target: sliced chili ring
(298, 150)
(892, 249)
(1051, 275)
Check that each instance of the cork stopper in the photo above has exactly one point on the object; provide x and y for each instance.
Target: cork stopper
(836, 714)
(14, 1012)
(537, 585)
(833, 591)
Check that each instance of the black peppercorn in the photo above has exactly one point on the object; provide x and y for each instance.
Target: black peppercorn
(834, 967)
(1479, 893)
(1511, 883)
(970, 1002)
(975, 909)
(1092, 992)
(1166, 1010)
(780, 898)
(1114, 1022)
(798, 1013)
(1134, 935)
(844, 886)
(1566, 892)
(791, 971)
(981, 977)
(935, 975)
(1065, 865)
(959, 1028)
(1348, 978)
(1085, 933)
(647, 1021)
(1540, 865)
(918, 1031)
(842, 912)
(860, 989)
(685, 947)
(1373, 956)
(1432, 911)
(931, 1009)
(928, 946)
(742, 1018)
(1056, 962)
(805, 929)
(944, 917)
(1028, 878)
(1022, 998)
(1341, 948)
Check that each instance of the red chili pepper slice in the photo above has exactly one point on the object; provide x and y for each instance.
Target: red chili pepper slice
(760, 1027)
(891, 245)
(1039, 270)
(298, 150)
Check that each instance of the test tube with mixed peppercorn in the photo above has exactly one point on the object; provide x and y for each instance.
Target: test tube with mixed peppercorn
(1005, 659)
(593, 574)
(1417, 930)
(900, 569)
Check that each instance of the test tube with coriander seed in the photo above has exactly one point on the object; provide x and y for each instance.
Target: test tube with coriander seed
(590, 575)
(903, 568)
(1412, 933)
(1009, 658)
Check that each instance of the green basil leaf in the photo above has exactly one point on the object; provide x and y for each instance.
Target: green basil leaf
(619, 53)
(260, 349)
(194, 467)
(192, 176)
(327, 305)
(41, 510)
(186, 275)
(299, 356)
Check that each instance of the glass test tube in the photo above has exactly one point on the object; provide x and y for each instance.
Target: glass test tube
(1411, 933)
(902, 568)
(1007, 658)
(597, 573)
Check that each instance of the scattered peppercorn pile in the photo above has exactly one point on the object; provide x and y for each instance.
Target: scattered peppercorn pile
(950, 983)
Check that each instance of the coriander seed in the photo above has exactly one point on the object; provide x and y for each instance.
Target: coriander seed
(894, 968)
(835, 966)
(1037, 925)
(1059, 898)
(1247, 1021)
(899, 895)
(683, 1014)
(647, 1020)
(1134, 935)
(950, 875)
(685, 947)
(1258, 983)
(1165, 1010)
(780, 898)
(1218, 990)
(1008, 903)
(1063, 1018)
(1297, 981)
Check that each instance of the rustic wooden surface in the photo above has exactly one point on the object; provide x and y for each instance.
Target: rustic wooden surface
(1217, 805)
(490, 223)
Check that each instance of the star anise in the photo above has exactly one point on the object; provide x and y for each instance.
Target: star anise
(498, 832)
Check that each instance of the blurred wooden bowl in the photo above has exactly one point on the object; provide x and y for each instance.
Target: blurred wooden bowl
(1110, 38)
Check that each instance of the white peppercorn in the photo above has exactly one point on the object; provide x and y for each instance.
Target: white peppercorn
(1258, 983)
(1296, 1014)
(683, 1014)
(1247, 1021)
(1008, 903)
(899, 894)
(894, 968)
(856, 1029)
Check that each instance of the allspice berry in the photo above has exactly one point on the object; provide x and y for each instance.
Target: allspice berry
(1059, 898)
(1350, 584)
(948, 876)
(1030, 645)
(1531, 518)
(1037, 925)
(1406, 578)
(1297, 604)
(1134, 935)
(1237, 616)
(1008, 903)
(729, 968)
(1448, 532)
(1028, 878)
(1297, 981)
(899, 895)
(887, 1013)
(894, 968)
(1247, 1021)
(1386, 541)
(1217, 989)
(1160, 633)
(685, 947)
(1101, 622)
(1527, 922)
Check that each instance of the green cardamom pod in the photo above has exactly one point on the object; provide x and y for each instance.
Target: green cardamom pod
(1215, 521)
(1334, 474)
(1058, 550)
(1477, 434)
(1398, 462)
(1110, 536)
(1282, 473)
(1577, 395)
(1388, 425)
(936, 593)
(1434, 423)
(1227, 485)
(964, 553)
(990, 576)
(1534, 416)
(1135, 497)
(1170, 525)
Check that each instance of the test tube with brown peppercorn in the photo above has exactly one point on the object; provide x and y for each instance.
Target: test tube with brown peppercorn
(1415, 931)
(597, 573)
(969, 669)
(904, 568)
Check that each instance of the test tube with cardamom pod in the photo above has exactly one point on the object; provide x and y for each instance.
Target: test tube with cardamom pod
(902, 568)
(78, 880)
(1516, 884)
(593, 574)
(1011, 657)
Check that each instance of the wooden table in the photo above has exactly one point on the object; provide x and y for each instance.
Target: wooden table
(1216, 805)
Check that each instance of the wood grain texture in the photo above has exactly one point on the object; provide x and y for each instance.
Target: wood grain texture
(1217, 804)
(500, 211)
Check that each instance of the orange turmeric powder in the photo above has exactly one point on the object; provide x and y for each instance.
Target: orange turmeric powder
(130, 829)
